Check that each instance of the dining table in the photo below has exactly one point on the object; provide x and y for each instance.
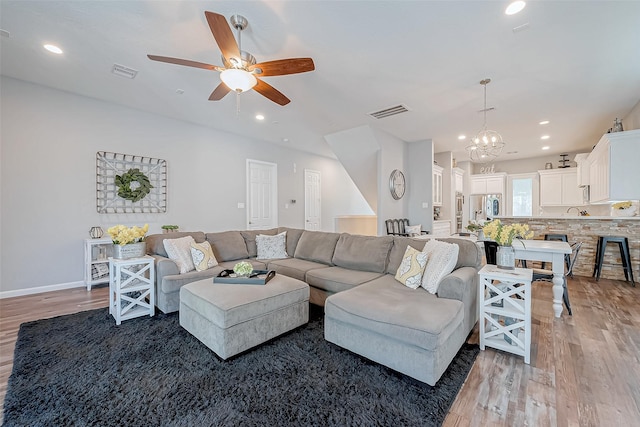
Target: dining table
(547, 251)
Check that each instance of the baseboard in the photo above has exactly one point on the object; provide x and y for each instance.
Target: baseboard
(41, 289)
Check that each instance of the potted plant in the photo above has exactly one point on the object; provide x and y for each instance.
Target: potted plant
(169, 228)
(128, 242)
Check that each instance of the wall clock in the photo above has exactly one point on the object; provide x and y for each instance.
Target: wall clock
(397, 184)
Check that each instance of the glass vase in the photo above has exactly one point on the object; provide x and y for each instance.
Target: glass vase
(506, 257)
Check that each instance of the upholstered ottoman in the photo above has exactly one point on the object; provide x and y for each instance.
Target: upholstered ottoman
(230, 318)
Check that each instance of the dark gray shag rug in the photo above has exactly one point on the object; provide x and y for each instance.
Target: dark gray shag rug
(83, 370)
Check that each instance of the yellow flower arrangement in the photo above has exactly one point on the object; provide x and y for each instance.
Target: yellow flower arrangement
(123, 235)
(504, 234)
(621, 205)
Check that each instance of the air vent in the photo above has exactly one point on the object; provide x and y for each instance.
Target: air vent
(390, 111)
(122, 71)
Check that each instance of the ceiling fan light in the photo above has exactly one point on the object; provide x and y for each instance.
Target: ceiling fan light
(238, 80)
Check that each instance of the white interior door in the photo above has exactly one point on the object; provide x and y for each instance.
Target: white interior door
(312, 200)
(262, 195)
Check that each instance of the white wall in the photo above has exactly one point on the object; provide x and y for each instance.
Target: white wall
(391, 156)
(632, 120)
(48, 148)
(419, 183)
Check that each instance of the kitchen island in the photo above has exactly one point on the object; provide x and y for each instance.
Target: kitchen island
(587, 229)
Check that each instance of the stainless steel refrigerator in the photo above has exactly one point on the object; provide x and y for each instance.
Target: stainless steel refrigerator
(484, 206)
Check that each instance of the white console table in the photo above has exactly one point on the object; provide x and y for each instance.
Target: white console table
(131, 292)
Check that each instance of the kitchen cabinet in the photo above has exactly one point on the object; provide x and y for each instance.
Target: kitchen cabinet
(458, 180)
(441, 228)
(488, 184)
(437, 185)
(583, 169)
(559, 187)
(613, 168)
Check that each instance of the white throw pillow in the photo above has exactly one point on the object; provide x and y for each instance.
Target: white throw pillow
(179, 251)
(411, 268)
(272, 247)
(413, 230)
(443, 257)
(202, 256)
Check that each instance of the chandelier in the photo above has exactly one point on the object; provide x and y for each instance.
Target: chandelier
(487, 145)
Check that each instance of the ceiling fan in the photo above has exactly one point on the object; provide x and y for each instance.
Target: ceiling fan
(241, 72)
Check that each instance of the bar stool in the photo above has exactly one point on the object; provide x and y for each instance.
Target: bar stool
(623, 244)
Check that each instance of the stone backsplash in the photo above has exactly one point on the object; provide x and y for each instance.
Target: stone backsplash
(587, 231)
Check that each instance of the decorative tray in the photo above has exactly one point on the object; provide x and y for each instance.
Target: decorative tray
(258, 277)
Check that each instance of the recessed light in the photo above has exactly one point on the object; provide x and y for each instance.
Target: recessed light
(544, 122)
(462, 137)
(545, 137)
(53, 48)
(515, 7)
(259, 117)
(285, 139)
(546, 147)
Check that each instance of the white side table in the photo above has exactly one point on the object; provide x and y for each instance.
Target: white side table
(131, 292)
(505, 309)
(96, 261)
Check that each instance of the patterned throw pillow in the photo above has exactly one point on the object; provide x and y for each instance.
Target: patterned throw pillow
(413, 230)
(179, 251)
(202, 255)
(272, 247)
(411, 268)
(443, 257)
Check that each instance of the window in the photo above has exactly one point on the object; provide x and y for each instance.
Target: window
(522, 190)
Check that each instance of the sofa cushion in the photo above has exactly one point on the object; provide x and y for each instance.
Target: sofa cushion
(389, 308)
(443, 257)
(272, 247)
(338, 279)
(412, 268)
(367, 253)
(173, 283)
(249, 237)
(202, 255)
(469, 254)
(228, 245)
(156, 247)
(293, 236)
(317, 246)
(179, 251)
(292, 267)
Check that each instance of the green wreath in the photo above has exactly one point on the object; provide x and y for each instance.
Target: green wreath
(123, 182)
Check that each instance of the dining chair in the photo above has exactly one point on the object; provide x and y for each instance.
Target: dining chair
(547, 275)
(490, 251)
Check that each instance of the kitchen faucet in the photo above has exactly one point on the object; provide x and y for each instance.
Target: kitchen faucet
(573, 207)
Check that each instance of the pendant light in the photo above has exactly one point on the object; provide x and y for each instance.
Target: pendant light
(487, 145)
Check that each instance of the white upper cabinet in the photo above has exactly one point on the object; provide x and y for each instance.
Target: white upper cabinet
(488, 183)
(614, 171)
(437, 185)
(458, 180)
(559, 187)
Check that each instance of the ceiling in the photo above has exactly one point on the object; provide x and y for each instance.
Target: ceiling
(576, 64)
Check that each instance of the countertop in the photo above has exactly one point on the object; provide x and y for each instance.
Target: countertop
(570, 217)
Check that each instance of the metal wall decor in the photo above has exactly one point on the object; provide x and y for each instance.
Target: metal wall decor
(111, 167)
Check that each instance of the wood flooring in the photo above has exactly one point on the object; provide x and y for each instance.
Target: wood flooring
(584, 369)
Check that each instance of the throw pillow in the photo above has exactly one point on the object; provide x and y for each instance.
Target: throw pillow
(413, 230)
(443, 257)
(412, 267)
(179, 251)
(271, 247)
(202, 256)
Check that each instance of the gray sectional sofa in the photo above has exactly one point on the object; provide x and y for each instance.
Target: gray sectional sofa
(366, 310)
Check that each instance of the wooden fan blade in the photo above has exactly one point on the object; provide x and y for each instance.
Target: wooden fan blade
(223, 35)
(268, 91)
(219, 92)
(283, 66)
(184, 62)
